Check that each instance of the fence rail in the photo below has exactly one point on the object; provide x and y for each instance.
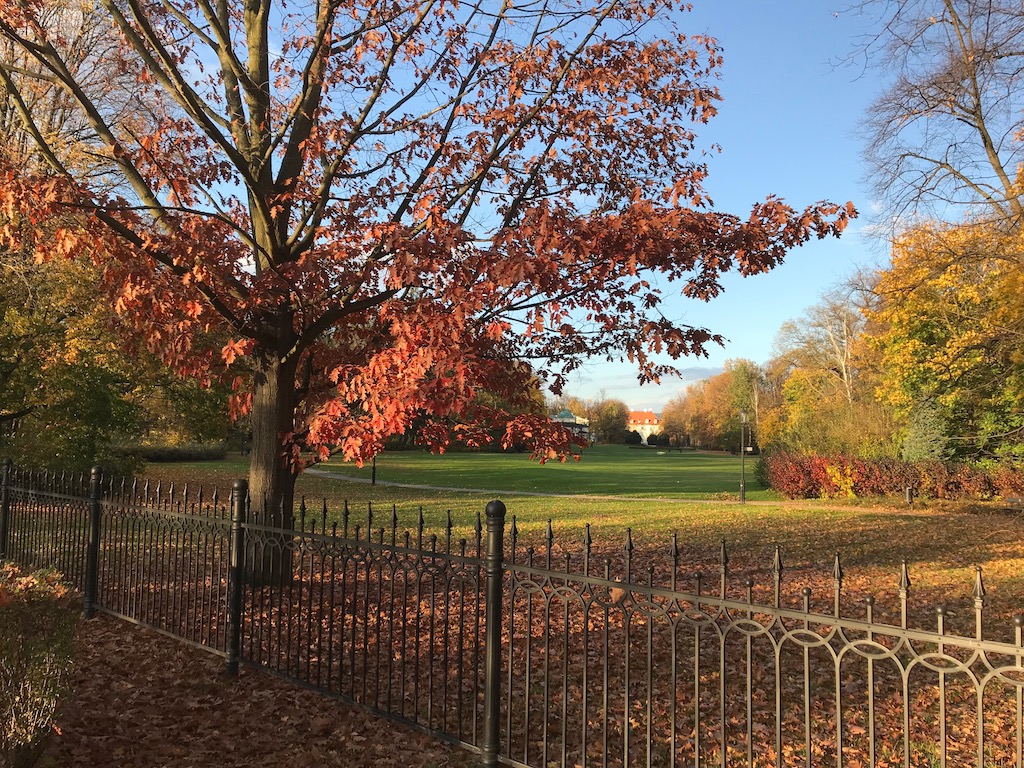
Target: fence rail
(531, 656)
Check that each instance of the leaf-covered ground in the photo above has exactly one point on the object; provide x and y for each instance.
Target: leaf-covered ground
(143, 700)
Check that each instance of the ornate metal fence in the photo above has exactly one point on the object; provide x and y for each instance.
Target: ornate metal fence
(609, 664)
(534, 657)
(152, 554)
(44, 521)
(389, 619)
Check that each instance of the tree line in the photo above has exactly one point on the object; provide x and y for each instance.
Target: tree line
(918, 360)
(921, 358)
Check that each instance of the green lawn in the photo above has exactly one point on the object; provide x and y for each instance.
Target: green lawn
(602, 471)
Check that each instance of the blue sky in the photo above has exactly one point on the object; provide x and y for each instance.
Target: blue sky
(788, 125)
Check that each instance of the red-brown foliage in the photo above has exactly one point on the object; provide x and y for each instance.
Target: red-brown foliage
(799, 476)
(363, 254)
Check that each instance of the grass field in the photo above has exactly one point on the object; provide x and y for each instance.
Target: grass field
(603, 471)
(941, 543)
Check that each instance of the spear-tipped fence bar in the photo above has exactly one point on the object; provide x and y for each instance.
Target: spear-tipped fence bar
(535, 656)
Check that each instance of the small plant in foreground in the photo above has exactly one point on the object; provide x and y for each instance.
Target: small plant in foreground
(37, 625)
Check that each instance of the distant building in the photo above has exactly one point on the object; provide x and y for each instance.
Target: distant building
(646, 423)
(575, 424)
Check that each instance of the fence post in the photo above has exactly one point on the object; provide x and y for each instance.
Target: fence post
(236, 574)
(92, 552)
(494, 570)
(5, 507)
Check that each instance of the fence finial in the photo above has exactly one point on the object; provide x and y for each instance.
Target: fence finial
(588, 544)
(904, 587)
(979, 601)
(723, 568)
(777, 574)
(979, 586)
(837, 583)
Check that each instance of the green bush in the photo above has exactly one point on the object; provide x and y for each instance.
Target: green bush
(37, 626)
(191, 452)
(761, 471)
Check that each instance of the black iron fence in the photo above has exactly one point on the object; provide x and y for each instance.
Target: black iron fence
(533, 656)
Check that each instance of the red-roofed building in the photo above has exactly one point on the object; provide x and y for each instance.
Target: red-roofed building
(646, 423)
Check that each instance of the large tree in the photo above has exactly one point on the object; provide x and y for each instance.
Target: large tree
(948, 324)
(822, 378)
(384, 203)
(609, 420)
(823, 341)
(65, 383)
(948, 130)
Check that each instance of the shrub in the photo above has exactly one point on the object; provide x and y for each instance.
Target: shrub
(806, 477)
(37, 625)
(761, 471)
(933, 480)
(633, 438)
(971, 482)
(194, 452)
(790, 474)
(887, 477)
(838, 477)
(1008, 481)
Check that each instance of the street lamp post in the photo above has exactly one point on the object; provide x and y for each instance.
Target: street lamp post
(743, 456)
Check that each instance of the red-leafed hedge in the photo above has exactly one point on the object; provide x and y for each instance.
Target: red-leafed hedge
(799, 476)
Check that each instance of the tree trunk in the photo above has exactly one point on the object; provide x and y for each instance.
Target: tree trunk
(271, 478)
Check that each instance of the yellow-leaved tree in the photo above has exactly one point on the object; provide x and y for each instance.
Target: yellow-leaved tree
(948, 326)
